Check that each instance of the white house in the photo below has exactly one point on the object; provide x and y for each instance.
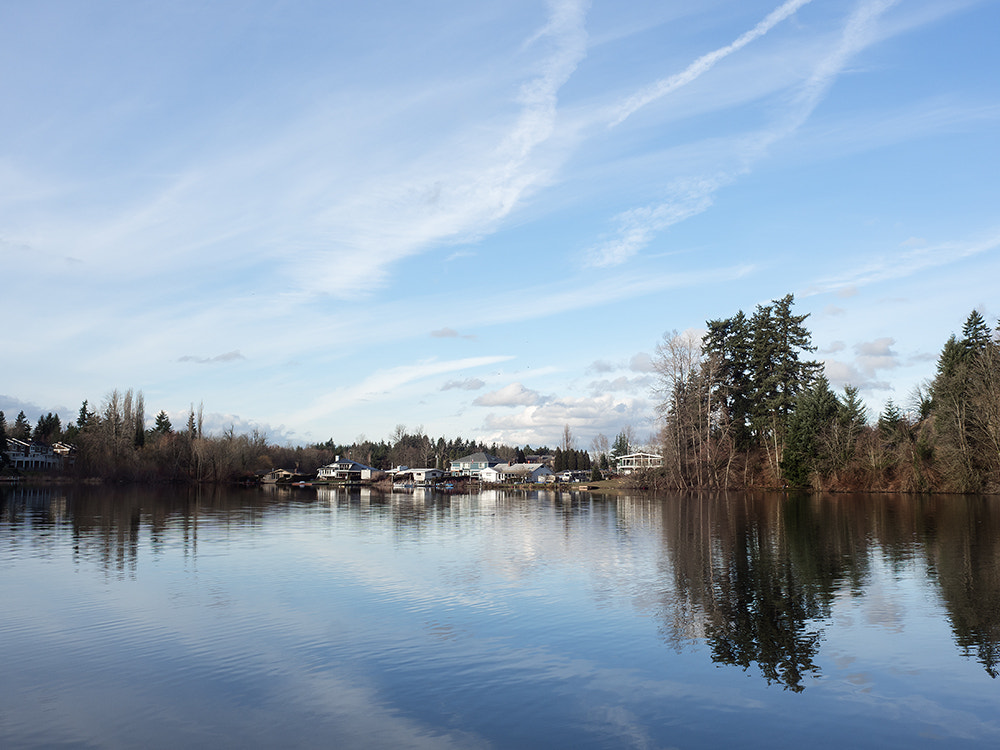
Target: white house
(344, 469)
(473, 464)
(636, 461)
(515, 473)
(31, 456)
(420, 476)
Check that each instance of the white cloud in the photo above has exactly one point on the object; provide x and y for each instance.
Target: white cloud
(692, 196)
(704, 63)
(469, 384)
(543, 423)
(896, 265)
(640, 384)
(232, 356)
(514, 394)
(384, 384)
(876, 355)
(641, 362)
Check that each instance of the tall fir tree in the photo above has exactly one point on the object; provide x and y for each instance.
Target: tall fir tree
(22, 428)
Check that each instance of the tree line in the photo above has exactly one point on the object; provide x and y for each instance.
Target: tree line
(115, 442)
(744, 406)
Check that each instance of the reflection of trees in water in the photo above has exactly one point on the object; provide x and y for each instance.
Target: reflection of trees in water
(107, 523)
(756, 574)
(964, 556)
(753, 568)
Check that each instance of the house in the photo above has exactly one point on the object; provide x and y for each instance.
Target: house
(419, 476)
(277, 475)
(344, 469)
(636, 461)
(472, 465)
(31, 456)
(515, 473)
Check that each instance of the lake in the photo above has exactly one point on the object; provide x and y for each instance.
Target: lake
(318, 617)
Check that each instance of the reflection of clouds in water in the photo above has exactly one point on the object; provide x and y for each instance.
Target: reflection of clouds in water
(355, 716)
(884, 611)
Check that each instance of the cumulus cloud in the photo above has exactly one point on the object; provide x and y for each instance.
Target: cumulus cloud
(469, 384)
(835, 346)
(641, 362)
(601, 365)
(514, 394)
(640, 384)
(870, 358)
(876, 355)
(227, 357)
(841, 374)
(542, 424)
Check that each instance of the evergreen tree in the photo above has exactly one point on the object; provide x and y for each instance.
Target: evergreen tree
(964, 397)
(728, 345)
(891, 423)
(976, 335)
(22, 428)
(621, 446)
(48, 430)
(162, 424)
(778, 374)
(758, 371)
(87, 417)
(816, 411)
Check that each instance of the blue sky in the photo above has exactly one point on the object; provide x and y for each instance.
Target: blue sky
(329, 219)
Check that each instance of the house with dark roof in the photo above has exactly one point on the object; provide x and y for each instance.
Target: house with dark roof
(473, 464)
(344, 469)
(515, 473)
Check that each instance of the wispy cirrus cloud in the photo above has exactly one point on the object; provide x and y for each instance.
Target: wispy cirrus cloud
(689, 197)
(232, 356)
(906, 261)
(384, 384)
(406, 211)
(703, 64)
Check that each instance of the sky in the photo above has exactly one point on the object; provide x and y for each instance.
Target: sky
(325, 220)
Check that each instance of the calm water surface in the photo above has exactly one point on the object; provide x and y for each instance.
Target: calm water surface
(331, 618)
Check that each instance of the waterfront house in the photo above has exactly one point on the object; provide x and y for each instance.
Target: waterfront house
(515, 473)
(418, 476)
(636, 461)
(344, 470)
(27, 455)
(472, 465)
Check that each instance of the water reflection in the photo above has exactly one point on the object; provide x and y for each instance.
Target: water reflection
(756, 574)
(753, 576)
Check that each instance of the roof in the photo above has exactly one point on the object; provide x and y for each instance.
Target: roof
(477, 458)
(518, 468)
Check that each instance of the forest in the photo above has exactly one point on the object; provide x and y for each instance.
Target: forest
(745, 407)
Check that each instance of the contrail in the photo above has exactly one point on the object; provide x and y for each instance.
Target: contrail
(705, 63)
